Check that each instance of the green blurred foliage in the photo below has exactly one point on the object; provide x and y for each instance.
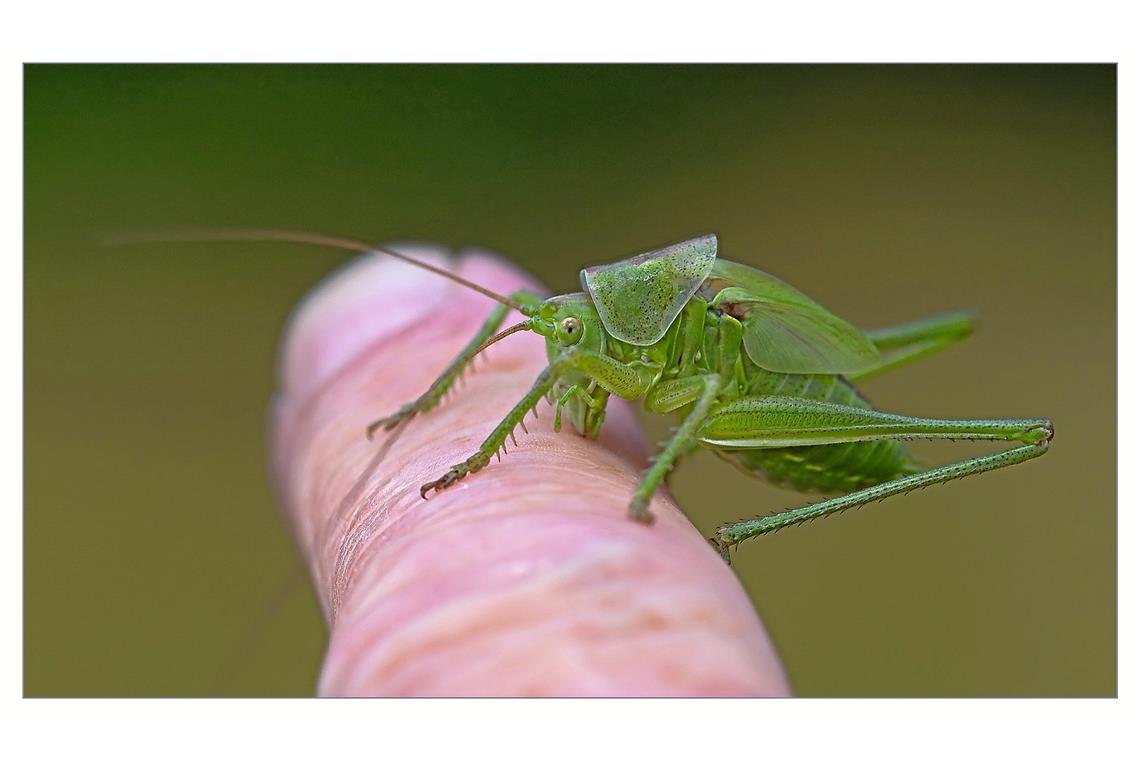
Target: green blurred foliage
(153, 550)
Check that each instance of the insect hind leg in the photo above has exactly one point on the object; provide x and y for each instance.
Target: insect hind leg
(1034, 435)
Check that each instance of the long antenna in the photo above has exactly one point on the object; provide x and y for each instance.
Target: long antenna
(223, 234)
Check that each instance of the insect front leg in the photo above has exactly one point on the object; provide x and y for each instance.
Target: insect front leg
(612, 375)
(781, 421)
(482, 457)
(442, 384)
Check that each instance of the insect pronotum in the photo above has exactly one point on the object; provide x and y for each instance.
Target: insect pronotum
(755, 371)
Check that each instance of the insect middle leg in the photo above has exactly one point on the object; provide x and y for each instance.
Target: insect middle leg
(706, 388)
(442, 384)
(702, 391)
(773, 421)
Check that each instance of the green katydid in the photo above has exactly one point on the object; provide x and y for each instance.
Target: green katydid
(755, 371)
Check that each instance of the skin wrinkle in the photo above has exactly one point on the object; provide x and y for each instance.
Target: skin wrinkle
(551, 590)
(464, 521)
(384, 516)
(605, 581)
(325, 533)
(355, 536)
(619, 611)
(328, 533)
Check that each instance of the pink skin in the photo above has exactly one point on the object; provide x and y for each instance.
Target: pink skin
(523, 579)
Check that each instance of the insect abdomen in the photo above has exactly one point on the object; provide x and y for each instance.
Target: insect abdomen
(828, 467)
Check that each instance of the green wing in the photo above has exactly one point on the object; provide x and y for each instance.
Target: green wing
(639, 298)
(784, 330)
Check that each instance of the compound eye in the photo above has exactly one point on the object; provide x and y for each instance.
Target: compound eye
(571, 330)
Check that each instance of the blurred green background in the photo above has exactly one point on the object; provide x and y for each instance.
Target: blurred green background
(153, 550)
